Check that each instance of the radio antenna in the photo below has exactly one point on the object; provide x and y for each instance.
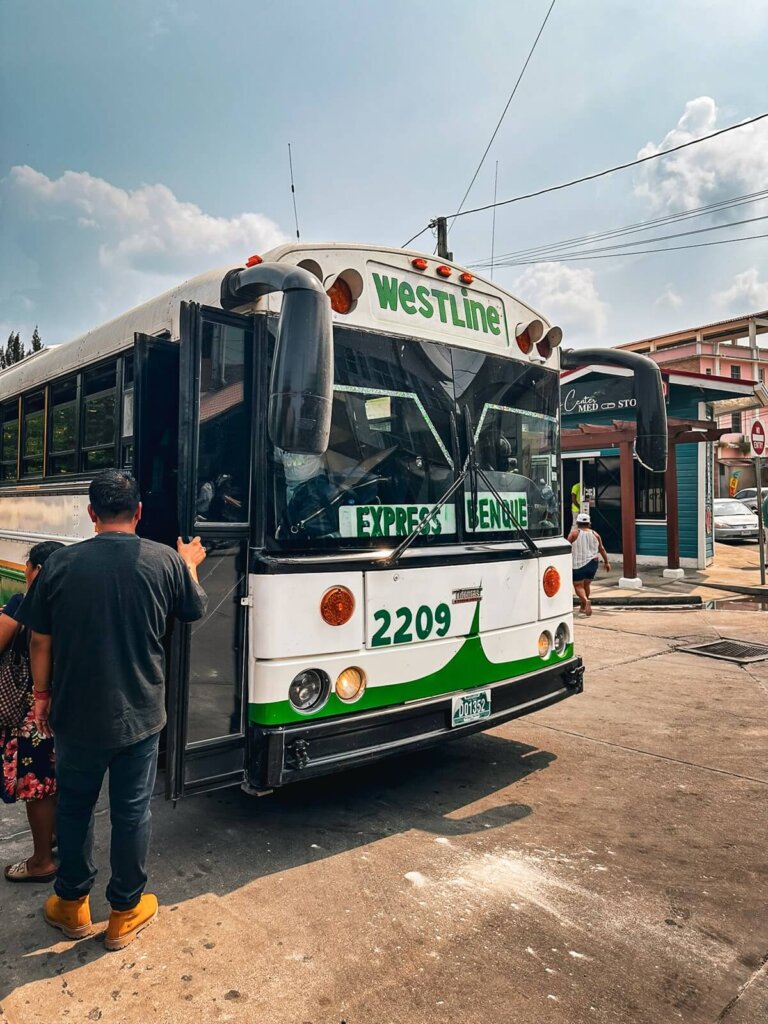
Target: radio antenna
(293, 194)
(493, 223)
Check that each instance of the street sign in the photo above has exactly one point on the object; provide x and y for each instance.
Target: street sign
(757, 436)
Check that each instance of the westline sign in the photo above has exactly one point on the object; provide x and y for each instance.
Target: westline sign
(419, 302)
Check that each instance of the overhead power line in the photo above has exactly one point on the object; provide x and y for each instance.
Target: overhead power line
(627, 245)
(552, 248)
(638, 252)
(504, 111)
(601, 174)
(611, 170)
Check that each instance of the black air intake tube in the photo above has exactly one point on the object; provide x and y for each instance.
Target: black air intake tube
(301, 385)
(651, 441)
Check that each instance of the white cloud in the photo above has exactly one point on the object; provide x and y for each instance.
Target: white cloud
(747, 294)
(669, 297)
(148, 228)
(730, 165)
(78, 250)
(566, 296)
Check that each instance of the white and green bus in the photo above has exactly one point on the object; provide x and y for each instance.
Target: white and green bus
(366, 440)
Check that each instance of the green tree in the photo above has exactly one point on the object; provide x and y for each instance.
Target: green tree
(14, 352)
(37, 342)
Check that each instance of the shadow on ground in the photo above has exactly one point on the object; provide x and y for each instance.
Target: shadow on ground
(221, 842)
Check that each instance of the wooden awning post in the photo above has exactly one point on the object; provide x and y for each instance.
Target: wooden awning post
(628, 543)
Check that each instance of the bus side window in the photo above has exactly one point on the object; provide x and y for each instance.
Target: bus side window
(62, 414)
(33, 421)
(9, 440)
(99, 417)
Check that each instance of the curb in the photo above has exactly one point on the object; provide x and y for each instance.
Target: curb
(738, 588)
(668, 600)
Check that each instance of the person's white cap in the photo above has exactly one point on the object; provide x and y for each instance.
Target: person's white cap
(582, 517)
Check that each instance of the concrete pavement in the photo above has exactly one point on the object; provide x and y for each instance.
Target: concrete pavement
(735, 570)
(601, 861)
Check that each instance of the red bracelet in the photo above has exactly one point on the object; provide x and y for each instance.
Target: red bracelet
(40, 694)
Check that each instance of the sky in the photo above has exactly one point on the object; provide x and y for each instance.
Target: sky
(145, 141)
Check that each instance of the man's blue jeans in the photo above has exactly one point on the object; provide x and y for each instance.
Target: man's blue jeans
(80, 772)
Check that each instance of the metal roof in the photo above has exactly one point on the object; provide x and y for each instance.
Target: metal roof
(730, 327)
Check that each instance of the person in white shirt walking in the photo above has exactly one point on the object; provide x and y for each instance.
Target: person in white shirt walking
(587, 547)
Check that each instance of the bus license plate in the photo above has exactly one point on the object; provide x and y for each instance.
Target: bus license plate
(471, 707)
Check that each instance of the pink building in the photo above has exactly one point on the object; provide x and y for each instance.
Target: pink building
(728, 350)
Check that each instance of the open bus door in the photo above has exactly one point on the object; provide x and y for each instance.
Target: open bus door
(207, 685)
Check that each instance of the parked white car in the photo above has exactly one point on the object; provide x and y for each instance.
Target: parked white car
(749, 496)
(734, 520)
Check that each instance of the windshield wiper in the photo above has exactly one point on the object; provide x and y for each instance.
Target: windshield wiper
(403, 546)
(471, 470)
(476, 472)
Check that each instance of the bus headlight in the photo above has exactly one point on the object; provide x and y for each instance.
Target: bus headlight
(561, 639)
(309, 690)
(350, 686)
(545, 644)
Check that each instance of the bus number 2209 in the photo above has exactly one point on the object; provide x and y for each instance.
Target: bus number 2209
(425, 623)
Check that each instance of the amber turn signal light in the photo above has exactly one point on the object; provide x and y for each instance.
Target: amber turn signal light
(551, 581)
(528, 334)
(337, 606)
(340, 295)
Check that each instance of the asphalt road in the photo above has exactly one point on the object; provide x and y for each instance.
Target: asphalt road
(602, 861)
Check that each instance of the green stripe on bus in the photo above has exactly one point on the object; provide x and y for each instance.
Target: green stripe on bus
(468, 669)
(12, 574)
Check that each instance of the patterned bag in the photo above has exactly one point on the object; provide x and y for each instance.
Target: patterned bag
(14, 682)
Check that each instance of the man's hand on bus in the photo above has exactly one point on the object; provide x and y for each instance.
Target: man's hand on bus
(193, 554)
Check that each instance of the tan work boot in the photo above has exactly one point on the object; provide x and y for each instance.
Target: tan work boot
(73, 917)
(125, 925)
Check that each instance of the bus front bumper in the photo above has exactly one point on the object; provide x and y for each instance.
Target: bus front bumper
(278, 755)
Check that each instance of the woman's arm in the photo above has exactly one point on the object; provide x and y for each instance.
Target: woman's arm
(603, 552)
(572, 536)
(8, 630)
(41, 663)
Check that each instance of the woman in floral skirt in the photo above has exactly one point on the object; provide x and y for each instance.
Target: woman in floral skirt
(27, 757)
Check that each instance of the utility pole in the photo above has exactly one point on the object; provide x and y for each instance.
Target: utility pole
(441, 223)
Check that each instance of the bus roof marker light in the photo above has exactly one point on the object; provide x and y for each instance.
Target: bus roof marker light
(549, 342)
(340, 295)
(466, 277)
(419, 263)
(528, 334)
(444, 271)
(253, 261)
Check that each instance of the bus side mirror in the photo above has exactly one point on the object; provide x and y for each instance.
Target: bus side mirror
(301, 382)
(651, 440)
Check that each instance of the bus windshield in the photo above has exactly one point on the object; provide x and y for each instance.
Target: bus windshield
(398, 443)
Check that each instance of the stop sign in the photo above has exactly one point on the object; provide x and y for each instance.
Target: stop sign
(758, 437)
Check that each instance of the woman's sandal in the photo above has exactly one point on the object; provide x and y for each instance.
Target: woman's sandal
(20, 873)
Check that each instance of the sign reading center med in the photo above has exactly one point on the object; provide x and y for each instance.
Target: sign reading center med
(424, 304)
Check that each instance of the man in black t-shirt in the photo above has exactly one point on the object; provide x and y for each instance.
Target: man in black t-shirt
(98, 612)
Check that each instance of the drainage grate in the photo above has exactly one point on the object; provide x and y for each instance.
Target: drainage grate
(730, 650)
